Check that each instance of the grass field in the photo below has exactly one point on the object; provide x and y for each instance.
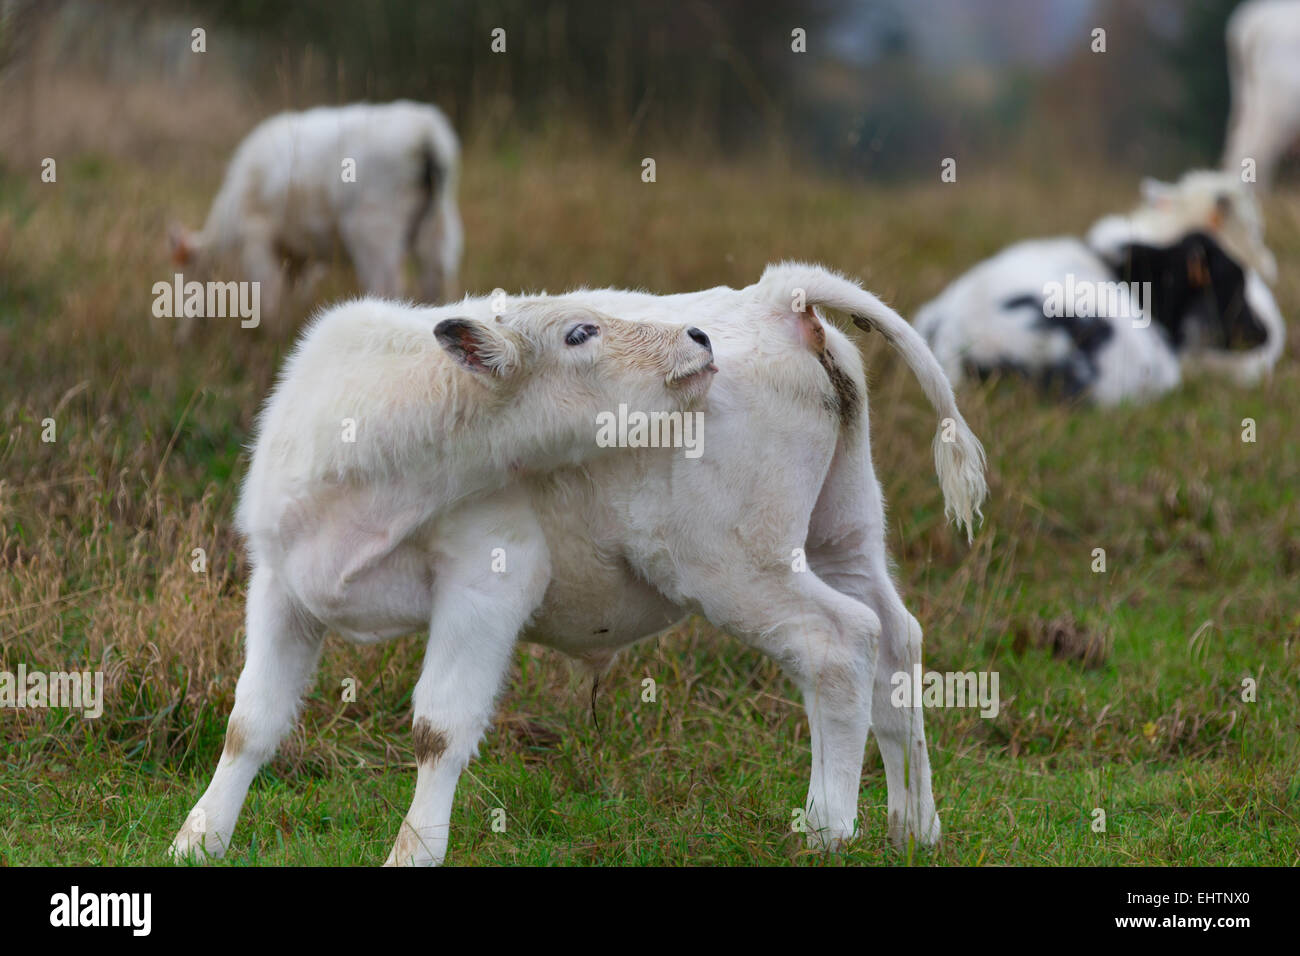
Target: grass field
(1120, 690)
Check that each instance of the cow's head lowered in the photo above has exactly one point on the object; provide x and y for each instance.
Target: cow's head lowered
(201, 258)
(551, 369)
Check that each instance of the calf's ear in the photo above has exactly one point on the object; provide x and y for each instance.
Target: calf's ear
(477, 347)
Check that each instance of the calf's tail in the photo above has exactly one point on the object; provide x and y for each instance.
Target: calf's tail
(958, 455)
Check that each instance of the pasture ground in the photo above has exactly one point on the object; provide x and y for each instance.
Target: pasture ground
(1120, 690)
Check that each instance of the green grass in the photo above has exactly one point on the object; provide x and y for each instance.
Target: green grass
(719, 791)
(1201, 533)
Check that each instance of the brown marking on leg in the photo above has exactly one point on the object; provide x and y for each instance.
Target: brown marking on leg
(235, 739)
(430, 743)
(407, 846)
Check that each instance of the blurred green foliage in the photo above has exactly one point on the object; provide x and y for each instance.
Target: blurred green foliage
(655, 62)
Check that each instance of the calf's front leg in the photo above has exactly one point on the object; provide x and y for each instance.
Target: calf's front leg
(491, 574)
(282, 650)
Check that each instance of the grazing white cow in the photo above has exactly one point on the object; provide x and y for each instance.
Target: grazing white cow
(379, 179)
(1148, 298)
(600, 556)
(1263, 39)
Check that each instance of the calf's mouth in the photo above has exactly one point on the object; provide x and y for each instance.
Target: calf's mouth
(700, 370)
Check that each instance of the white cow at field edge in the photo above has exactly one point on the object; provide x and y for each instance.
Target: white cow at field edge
(1263, 39)
(601, 556)
(378, 178)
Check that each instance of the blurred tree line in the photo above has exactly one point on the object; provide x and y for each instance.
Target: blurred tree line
(1199, 57)
(719, 67)
(725, 75)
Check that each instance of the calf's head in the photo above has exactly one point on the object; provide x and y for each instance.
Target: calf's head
(1197, 293)
(200, 258)
(556, 367)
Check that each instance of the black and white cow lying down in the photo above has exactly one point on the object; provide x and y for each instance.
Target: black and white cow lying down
(1119, 317)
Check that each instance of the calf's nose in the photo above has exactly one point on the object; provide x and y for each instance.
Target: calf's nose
(697, 336)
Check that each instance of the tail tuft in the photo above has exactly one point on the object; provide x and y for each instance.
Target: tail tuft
(960, 464)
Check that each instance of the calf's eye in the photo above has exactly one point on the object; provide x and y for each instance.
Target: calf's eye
(580, 333)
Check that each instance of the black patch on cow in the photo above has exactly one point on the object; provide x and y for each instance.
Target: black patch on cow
(846, 402)
(1069, 378)
(1088, 333)
(1023, 301)
(983, 371)
(1197, 293)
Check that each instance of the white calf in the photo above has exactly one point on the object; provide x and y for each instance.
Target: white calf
(380, 179)
(604, 555)
(364, 508)
(1263, 39)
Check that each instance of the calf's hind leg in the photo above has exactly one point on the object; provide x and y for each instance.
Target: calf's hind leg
(826, 642)
(282, 650)
(482, 598)
(846, 548)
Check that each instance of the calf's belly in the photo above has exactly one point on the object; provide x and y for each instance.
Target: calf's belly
(581, 624)
(595, 602)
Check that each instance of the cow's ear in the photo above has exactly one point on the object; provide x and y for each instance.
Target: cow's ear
(477, 347)
(182, 243)
(1155, 192)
